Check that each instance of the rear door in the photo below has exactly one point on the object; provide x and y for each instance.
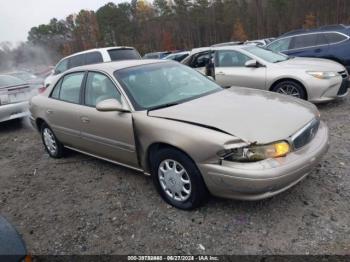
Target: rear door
(106, 134)
(63, 107)
(230, 70)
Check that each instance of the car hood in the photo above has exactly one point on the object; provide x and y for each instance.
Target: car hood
(252, 115)
(312, 64)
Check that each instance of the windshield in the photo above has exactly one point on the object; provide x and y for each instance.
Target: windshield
(155, 85)
(266, 55)
(6, 81)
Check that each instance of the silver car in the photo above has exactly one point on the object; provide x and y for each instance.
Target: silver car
(194, 137)
(313, 79)
(14, 97)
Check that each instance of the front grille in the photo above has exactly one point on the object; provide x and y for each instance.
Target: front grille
(306, 134)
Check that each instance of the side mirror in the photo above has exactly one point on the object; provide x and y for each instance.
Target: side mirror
(111, 105)
(252, 63)
(56, 71)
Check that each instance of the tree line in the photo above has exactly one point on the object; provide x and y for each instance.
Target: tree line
(183, 24)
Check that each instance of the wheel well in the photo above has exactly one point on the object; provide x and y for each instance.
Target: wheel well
(289, 79)
(157, 146)
(39, 122)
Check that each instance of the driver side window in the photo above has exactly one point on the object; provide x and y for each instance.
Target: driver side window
(231, 59)
(99, 88)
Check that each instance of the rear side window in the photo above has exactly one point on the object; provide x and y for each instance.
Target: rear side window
(76, 61)
(321, 39)
(99, 88)
(303, 41)
(123, 54)
(93, 58)
(70, 87)
(335, 38)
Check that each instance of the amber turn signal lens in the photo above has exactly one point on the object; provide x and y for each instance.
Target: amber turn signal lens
(281, 149)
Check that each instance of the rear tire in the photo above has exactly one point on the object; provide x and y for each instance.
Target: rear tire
(177, 179)
(290, 88)
(52, 145)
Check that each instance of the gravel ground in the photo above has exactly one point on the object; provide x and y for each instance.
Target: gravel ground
(81, 205)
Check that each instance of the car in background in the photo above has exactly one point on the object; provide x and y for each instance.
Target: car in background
(36, 83)
(93, 56)
(156, 55)
(228, 44)
(14, 97)
(194, 137)
(27, 77)
(260, 43)
(313, 79)
(330, 42)
(178, 56)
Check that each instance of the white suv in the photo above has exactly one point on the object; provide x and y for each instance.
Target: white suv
(93, 56)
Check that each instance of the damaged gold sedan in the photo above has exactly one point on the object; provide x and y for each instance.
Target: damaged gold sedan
(193, 137)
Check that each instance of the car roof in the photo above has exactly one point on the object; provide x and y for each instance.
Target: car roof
(99, 49)
(110, 67)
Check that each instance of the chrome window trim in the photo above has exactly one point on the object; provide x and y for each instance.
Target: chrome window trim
(347, 38)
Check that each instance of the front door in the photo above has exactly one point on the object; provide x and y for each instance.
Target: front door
(230, 70)
(106, 134)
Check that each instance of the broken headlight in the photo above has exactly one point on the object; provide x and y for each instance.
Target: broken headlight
(255, 153)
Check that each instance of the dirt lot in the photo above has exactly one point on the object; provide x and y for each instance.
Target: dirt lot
(80, 205)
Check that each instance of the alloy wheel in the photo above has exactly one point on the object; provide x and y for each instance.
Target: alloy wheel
(290, 90)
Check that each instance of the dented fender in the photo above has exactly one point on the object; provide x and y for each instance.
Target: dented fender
(200, 143)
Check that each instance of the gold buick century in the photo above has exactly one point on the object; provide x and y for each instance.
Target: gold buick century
(192, 136)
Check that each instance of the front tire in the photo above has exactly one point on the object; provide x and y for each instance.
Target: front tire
(290, 88)
(52, 145)
(177, 179)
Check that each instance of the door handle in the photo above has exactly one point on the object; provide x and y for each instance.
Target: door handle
(84, 119)
(220, 73)
(49, 112)
(318, 50)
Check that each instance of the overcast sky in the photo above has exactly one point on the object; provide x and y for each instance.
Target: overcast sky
(18, 16)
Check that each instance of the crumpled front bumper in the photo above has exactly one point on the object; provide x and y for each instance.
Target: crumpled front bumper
(263, 179)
